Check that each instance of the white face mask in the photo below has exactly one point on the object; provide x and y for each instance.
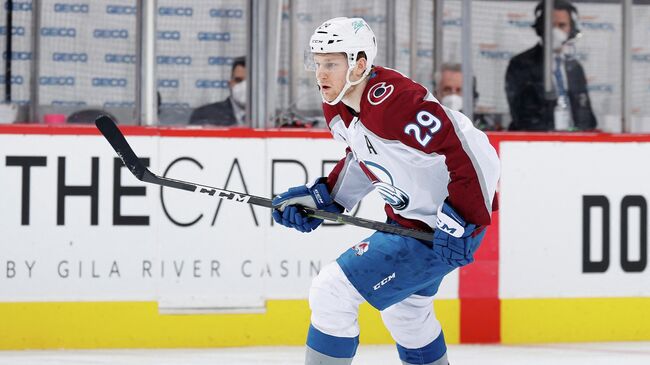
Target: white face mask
(559, 39)
(453, 102)
(238, 94)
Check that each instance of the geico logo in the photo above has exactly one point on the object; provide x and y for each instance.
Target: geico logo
(119, 104)
(520, 23)
(70, 8)
(496, 54)
(14, 80)
(211, 84)
(174, 60)
(69, 57)
(16, 31)
(175, 106)
(641, 57)
(119, 58)
(121, 9)
(111, 33)
(18, 56)
(598, 26)
(171, 83)
(56, 80)
(428, 53)
(214, 36)
(169, 35)
(602, 88)
(19, 6)
(219, 61)
(304, 17)
(172, 11)
(452, 22)
(109, 82)
(226, 13)
(58, 32)
(68, 103)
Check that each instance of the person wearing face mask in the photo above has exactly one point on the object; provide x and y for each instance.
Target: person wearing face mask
(525, 79)
(229, 112)
(449, 90)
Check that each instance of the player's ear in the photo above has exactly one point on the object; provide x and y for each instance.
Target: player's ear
(361, 66)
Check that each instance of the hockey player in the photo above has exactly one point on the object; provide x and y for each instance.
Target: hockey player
(433, 169)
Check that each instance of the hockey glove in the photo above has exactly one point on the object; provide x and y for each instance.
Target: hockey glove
(288, 210)
(454, 240)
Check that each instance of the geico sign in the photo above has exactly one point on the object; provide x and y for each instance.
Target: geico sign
(629, 203)
(19, 6)
(56, 80)
(214, 36)
(58, 32)
(169, 35)
(68, 103)
(219, 61)
(70, 8)
(111, 33)
(69, 57)
(119, 58)
(174, 60)
(121, 9)
(175, 11)
(14, 80)
(18, 56)
(169, 83)
(226, 13)
(119, 104)
(109, 82)
(15, 31)
(211, 84)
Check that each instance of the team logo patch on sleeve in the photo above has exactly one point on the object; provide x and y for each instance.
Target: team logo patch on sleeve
(361, 248)
(379, 92)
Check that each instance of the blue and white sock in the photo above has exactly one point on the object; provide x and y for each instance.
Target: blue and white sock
(434, 353)
(323, 349)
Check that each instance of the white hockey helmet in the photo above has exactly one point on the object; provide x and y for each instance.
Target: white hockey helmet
(349, 36)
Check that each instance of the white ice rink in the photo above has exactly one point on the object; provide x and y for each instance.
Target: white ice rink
(619, 353)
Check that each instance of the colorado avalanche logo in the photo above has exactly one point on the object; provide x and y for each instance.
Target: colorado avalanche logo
(361, 248)
(379, 92)
(382, 180)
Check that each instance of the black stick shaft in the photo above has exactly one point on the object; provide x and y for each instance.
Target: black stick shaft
(110, 131)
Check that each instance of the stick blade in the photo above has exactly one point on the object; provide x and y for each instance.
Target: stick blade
(109, 129)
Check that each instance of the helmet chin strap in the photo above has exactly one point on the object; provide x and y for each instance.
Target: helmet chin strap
(348, 85)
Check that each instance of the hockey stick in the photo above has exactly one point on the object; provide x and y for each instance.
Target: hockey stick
(113, 135)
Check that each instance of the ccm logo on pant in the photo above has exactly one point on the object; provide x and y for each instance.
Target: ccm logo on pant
(384, 281)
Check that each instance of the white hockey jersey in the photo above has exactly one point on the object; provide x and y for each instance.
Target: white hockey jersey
(415, 152)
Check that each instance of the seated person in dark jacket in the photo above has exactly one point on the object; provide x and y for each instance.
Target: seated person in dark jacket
(229, 112)
(525, 79)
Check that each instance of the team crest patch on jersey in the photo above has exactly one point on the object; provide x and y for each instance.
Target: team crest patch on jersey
(379, 92)
(383, 182)
(361, 248)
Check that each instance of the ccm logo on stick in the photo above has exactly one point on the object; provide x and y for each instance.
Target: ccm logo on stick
(635, 204)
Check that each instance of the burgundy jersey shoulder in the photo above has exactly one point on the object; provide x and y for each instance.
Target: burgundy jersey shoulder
(388, 94)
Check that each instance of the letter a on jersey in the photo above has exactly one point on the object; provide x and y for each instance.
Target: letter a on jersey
(371, 149)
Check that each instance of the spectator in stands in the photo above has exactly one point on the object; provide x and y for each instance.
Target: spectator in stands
(529, 108)
(449, 91)
(229, 112)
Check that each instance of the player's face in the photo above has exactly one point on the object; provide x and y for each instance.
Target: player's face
(331, 70)
(451, 82)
